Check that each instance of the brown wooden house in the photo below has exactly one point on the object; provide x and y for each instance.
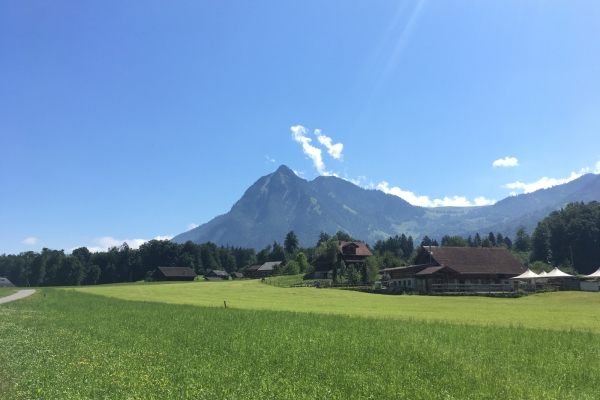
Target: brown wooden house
(476, 267)
(174, 274)
(349, 252)
(236, 275)
(262, 270)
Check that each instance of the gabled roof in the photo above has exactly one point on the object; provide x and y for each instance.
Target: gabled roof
(212, 278)
(472, 260)
(254, 267)
(236, 274)
(4, 282)
(268, 266)
(177, 271)
(433, 270)
(361, 248)
(219, 272)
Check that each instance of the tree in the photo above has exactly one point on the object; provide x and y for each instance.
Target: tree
(477, 240)
(323, 237)
(499, 239)
(492, 239)
(522, 240)
(291, 242)
(291, 268)
(455, 241)
(486, 242)
(302, 262)
(278, 253)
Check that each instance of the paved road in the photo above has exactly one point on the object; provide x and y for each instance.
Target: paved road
(19, 295)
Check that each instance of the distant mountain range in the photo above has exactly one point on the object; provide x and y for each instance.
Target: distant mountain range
(282, 201)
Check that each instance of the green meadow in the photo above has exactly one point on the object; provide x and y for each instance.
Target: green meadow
(157, 341)
(562, 310)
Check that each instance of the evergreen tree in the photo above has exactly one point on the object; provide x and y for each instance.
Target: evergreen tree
(291, 242)
(492, 239)
(477, 240)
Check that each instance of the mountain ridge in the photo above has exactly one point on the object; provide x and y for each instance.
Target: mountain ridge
(282, 201)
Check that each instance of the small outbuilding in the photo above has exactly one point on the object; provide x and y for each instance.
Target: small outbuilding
(236, 275)
(174, 274)
(263, 270)
(4, 282)
(218, 274)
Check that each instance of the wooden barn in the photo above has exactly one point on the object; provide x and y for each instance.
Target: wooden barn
(439, 268)
(217, 274)
(236, 275)
(262, 270)
(174, 274)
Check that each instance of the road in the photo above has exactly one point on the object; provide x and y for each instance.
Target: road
(19, 295)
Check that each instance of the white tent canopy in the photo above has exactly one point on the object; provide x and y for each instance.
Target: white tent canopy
(557, 273)
(594, 275)
(529, 274)
(543, 274)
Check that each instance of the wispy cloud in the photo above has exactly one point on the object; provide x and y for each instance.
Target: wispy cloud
(506, 162)
(424, 201)
(106, 242)
(30, 241)
(270, 159)
(334, 150)
(597, 170)
(191, 226)
(299, 135)
(544, 182)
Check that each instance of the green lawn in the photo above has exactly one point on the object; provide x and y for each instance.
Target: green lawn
(558, 311)
(6, 291)
(74, 345)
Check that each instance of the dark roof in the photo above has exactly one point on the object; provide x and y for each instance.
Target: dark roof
(472, 260)
(406, 268)
(268, 266)
(219, 272)
(237, 274)
(254, 267)
(4, 282)
(213, 278)
(361, 248)
(177, 271)
(433, 270)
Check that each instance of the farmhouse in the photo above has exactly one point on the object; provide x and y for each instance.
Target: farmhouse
(217, 275)
(262, 270)
(349, 252)
(236, 275)
(4, 282)
(436, 267)
(174, 274)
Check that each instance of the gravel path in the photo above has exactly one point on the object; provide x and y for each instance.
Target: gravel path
(19, 295)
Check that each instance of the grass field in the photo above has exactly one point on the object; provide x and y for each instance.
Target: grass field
(6, 291)
(74, 345)
(562, 310)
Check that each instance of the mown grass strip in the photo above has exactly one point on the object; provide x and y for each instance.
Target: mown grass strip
(559, 310)
(72, 345)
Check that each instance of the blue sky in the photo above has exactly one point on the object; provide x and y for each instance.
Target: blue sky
(132, 120)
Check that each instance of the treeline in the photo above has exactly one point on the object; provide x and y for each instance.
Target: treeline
(569, 238)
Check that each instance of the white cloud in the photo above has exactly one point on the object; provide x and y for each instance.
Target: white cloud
(506, 162)
(299, 174)
(543, 183)
(334, 150)
(191, 226)
(106, 242)
(424, 201)
(597, 170)
(482, 201)
(30, 241)
(299, 135)
(269, 158)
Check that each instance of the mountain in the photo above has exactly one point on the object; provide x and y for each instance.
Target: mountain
(280, 202)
